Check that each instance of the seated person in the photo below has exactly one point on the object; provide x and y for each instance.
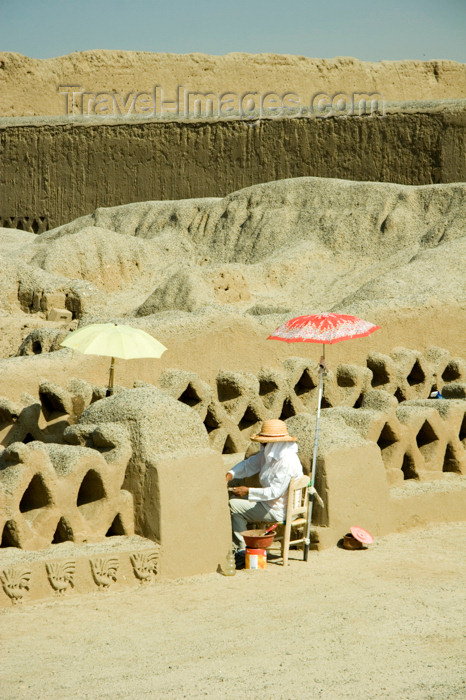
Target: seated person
(277, 462)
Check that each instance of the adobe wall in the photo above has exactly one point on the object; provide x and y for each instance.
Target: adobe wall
(31, 86)
(54, 170)
(175, 477)
(67, 521)
(81, 474)
(233, 405)
(139, 461)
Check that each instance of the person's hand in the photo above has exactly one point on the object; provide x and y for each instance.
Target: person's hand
(228, 476)
(240, 491)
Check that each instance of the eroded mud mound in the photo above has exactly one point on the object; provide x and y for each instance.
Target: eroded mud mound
(292, 245)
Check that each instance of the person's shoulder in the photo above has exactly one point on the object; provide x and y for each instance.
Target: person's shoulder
(294, 462)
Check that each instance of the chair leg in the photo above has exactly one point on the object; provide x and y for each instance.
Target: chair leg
(286, 542)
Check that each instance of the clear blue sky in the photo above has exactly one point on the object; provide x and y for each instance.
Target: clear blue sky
(372, 30)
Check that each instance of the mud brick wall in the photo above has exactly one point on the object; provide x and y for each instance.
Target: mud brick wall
(235, 406)
(56, 493)
(385, 402)
(53, 171)
(65, 478)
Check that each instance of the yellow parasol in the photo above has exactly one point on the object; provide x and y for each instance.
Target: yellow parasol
(114, 340)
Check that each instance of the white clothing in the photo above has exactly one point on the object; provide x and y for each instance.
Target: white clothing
(276, 464)
(277, 450)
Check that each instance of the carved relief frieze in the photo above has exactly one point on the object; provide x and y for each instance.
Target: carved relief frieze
(15, 582)
(104, 571)
(145, 565)
(61, 575)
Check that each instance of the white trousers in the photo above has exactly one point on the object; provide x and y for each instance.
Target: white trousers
(244, 512)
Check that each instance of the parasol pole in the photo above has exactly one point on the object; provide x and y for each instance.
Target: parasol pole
(109, 391)
(322, 372)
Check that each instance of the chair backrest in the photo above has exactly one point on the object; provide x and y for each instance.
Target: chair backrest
(297, 497)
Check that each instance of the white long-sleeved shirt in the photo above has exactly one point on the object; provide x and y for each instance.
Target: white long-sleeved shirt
(274, 476)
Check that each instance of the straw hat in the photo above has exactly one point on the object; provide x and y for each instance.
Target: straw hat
(273, 431)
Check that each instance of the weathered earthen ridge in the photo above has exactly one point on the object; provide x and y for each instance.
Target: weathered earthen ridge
(29, 86)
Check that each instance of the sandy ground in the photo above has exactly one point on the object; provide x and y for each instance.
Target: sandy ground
(383, 623)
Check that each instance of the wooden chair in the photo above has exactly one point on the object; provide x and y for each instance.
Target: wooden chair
(296, 514)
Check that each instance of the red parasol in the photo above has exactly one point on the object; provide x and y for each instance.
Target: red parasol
(326, 328)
